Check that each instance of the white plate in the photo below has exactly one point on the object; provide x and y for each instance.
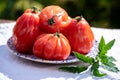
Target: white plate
(70, 59)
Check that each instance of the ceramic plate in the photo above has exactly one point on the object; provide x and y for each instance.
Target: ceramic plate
(70, 59)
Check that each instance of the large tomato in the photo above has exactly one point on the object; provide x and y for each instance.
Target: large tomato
(26, 30)
(80, 35)
(53, 19)
(52, 47)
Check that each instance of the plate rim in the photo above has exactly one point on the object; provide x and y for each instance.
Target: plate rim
(35, 59)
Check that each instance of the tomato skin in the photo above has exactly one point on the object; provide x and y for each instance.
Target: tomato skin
(26, 30)
(52, 47)
(80, 36)
(53, 19)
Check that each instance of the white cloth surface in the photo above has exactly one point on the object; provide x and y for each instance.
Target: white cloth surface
(15, 68)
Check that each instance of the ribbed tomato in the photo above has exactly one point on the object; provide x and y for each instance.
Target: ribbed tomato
(53, 19)
(26, 30)
(52, 47)
(80, 35)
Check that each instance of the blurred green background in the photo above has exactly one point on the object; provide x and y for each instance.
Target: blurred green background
(99, 13)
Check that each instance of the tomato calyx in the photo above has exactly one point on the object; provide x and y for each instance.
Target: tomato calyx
(57, 34)
(78, 18)
(51, 21)
(34, 9)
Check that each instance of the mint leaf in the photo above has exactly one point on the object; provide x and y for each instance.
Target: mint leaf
(73, 69)
(101, 44)
(108, 61)
(103, 59)
(109, 68)
(95, 66)
(109, 45)
(97, 73)
(100, 60)
(111, 59)
(84, 58)
(103, 47)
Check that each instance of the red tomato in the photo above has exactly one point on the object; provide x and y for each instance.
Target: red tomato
(52, 47)
(26, 30)
(80, 35)
(53, 19)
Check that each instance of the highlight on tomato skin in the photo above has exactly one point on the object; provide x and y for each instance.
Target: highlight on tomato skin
(53, 18)
(26, 30)
(80, 35)
(52, 47)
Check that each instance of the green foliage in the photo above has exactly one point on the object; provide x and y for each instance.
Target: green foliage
(95, 71)
(107, 11)
(107, 61)
(98, 74)
(15, 8)
(104, 47)
(100, 60)
(84, 58)
(74, 69)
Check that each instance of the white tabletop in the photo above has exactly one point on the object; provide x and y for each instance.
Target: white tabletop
(15, 68)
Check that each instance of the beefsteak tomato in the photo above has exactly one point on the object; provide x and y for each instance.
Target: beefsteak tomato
(53, 19)
(80, 35)
(26, 30)
(52, 47)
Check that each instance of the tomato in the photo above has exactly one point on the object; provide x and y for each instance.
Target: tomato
(26, 30)
(80, 35)
(52, 47)
(53, 19)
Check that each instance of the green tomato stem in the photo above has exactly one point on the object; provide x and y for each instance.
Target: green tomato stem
(78, 18)
(34, 9)
(51, 21)
(57, 34)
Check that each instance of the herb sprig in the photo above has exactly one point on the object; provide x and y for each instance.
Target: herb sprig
(100, 60)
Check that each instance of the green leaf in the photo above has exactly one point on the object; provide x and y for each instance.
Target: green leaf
(111, 59)
(84, 58)
(97, 73)
(109, 45)
(103, 47)
(73, 69)
(95, 65)
(103, 51)
(105, 58)
(101, 44)
(108, 61)
(109, 68)
(110, 64)
(101, 57)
